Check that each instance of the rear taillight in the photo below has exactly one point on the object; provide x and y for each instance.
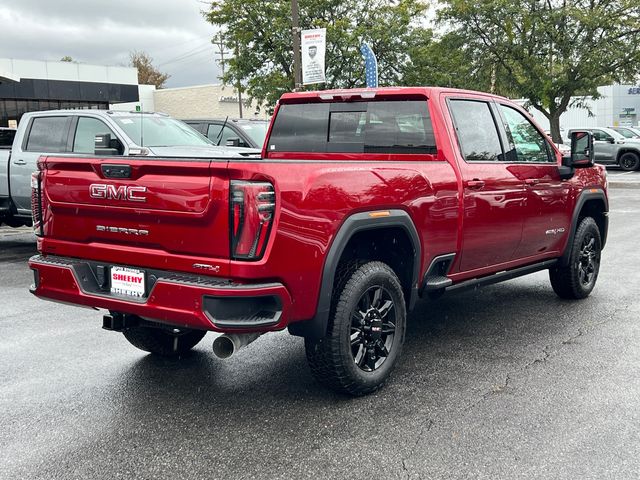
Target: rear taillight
(36, 202)
(252, 207)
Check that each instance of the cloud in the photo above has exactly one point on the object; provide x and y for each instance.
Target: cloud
(173, 32)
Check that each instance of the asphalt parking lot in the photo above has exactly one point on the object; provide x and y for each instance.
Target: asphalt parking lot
(504, 382)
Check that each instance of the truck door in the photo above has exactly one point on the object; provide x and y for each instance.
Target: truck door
(604, 147)
(547, 216)
(493, 195)
(45, 135)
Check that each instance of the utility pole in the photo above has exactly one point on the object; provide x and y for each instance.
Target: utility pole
(218, 41)
(239, 86)
(295, 31)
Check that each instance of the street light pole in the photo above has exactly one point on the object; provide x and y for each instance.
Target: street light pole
(295, 30)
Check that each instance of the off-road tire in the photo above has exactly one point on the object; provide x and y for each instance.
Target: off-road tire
(568, 281)
(330, 357)
(163, 341)
(629, 161)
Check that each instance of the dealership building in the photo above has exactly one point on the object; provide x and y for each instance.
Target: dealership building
(616, 106)
(27, 85)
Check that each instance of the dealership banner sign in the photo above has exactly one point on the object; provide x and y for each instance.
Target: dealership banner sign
(314, 46)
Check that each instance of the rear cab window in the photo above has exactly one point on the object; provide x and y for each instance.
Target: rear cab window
(48, 134)
(380, 126)
(476, 129)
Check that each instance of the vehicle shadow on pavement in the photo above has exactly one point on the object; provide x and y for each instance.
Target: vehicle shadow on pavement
(458, 337)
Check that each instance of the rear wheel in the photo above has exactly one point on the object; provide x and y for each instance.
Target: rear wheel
(629, 161)
(365, 334)
(578, 278)
(162, 341)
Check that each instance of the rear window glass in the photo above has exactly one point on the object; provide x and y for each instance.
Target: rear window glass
(359, 127)
(48, 135)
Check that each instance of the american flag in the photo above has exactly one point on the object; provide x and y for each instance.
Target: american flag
(370, 65)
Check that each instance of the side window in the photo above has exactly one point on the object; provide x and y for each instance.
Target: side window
(227, 133)
(48, 135)
(527, 144)
(213, 132)
(477, 131)
(601, 136)
(6, 137)
(86, 131)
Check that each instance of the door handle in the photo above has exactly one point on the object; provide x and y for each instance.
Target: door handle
(475, 184)
(532, 181)
(19, 162)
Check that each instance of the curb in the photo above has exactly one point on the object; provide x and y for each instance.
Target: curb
(624, 184)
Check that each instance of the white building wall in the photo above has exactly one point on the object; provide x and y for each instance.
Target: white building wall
(145, 103)
(70, 71)
(203, 101)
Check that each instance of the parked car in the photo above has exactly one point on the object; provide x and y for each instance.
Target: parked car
(612, 148)
(85, 133)
(627, 132)
(247, 133)
(364, 201)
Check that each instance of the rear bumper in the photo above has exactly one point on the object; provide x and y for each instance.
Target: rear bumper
(190, 301)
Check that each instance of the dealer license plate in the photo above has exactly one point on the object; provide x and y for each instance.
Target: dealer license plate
(127, 281)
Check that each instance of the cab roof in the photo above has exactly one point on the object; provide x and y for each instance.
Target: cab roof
(348, 94)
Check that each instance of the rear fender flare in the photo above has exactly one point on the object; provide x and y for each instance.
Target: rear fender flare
(317, 327)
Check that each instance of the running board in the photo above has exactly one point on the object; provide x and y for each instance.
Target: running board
(501, 276)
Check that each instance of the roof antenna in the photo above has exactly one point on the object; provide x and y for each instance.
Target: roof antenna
(141, 124)
(218, 137)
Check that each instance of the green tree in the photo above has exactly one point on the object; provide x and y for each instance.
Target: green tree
(450, 60)
(261, 32)
(148, 74)
(550, 50)
(67, 58)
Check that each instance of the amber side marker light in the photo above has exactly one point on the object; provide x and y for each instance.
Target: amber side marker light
(380, 214)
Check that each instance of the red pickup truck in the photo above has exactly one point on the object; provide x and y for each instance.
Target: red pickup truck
(363, 202)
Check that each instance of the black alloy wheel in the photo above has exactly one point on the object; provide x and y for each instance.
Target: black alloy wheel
(578, 277)
(372, 328)
(589, 260)
(365, 333)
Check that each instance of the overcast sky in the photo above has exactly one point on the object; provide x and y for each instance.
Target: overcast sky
(103, 32)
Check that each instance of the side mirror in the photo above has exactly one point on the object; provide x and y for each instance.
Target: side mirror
(581, 149)
(103, 140)
(611, 140)
(233, 142)
(105, 145)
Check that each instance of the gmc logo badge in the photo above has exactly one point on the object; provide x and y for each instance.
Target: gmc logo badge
(123, 192)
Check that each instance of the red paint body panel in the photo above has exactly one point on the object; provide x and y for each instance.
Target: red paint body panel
(497, 226)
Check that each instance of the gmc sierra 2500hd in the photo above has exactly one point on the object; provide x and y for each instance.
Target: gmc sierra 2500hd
(363, 201)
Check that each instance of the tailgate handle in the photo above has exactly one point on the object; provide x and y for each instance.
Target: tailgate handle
(116, 171)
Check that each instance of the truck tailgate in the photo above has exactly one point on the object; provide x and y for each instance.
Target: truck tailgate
(162, 205)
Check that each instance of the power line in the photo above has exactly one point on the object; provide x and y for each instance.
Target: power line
(190, 53)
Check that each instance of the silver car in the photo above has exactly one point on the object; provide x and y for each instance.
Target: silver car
(613, 148)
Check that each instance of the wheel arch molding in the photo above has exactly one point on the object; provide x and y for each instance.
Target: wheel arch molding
(588, 198)
(377, 222)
